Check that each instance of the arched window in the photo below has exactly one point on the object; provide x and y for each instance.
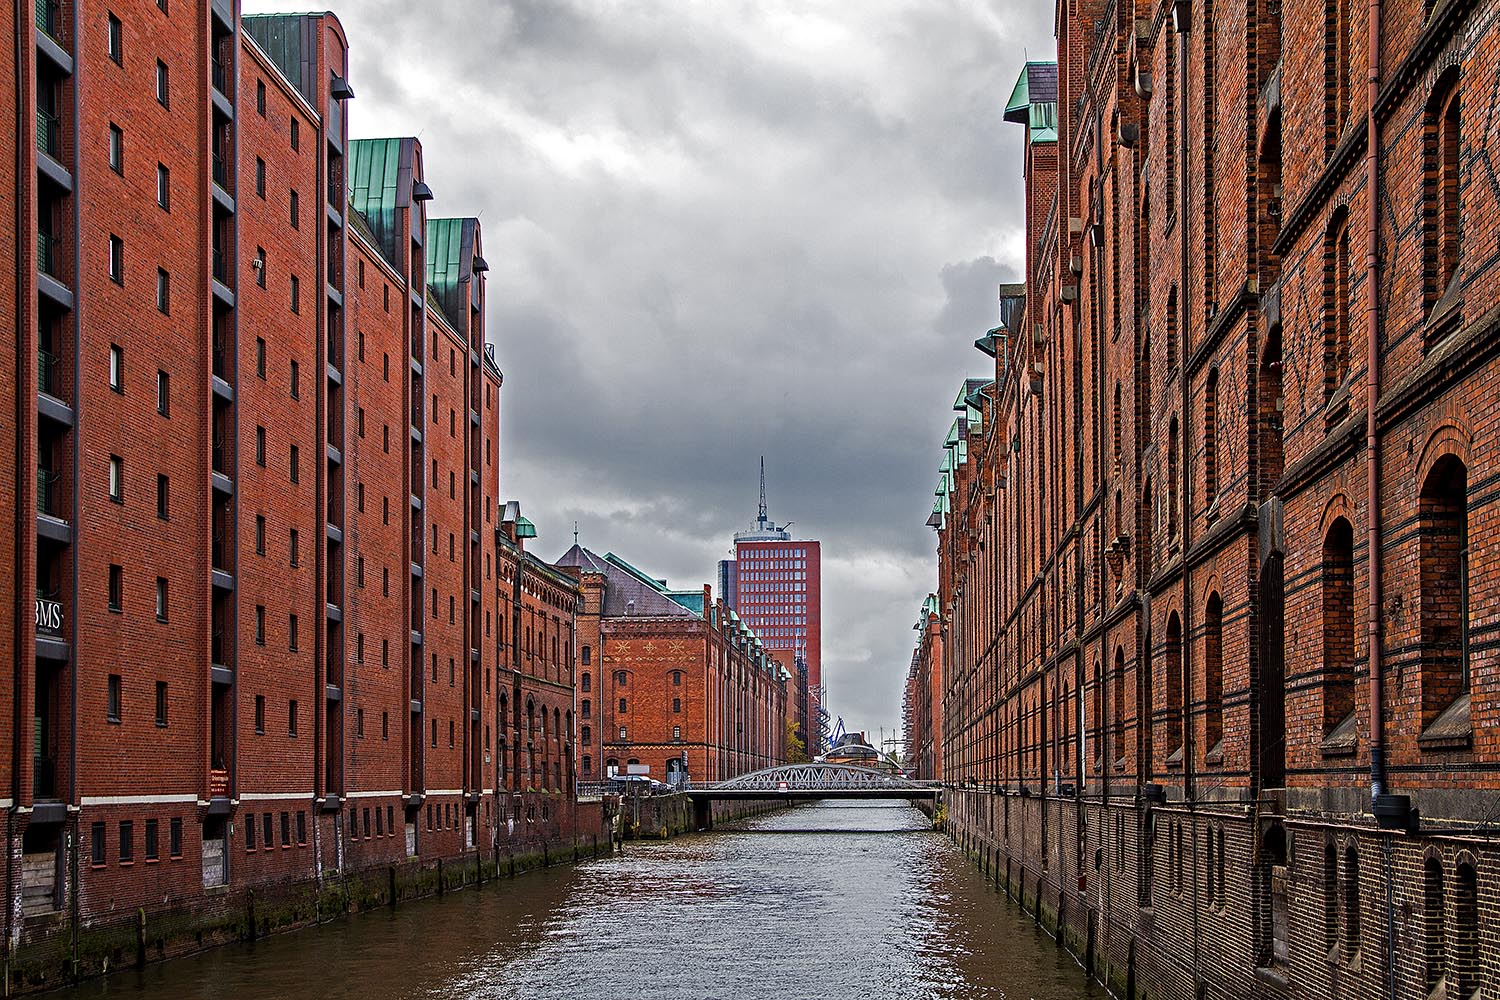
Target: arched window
(1351, 903)
(586, 655)
(620, 678)
(1148, 525)
(676, 678)
(1338, 626)
(1211, 436)
(1172, 481)
(1213, 675)
(1441, 193)
(1176, 695)
(1336, 304)
(588, 765)
(1464, 963)
(1434, 935)
(585, 681)
(1101, 742)
(530, 719)
(1117, 703)
(1443, 529)
(556, 724)
(612, 767)
(1330, 895)
(568, 718)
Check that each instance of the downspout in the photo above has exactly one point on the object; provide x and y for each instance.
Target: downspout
(1372, 392)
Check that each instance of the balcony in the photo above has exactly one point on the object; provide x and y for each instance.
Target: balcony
(48, 19)
(47, 254)
(220, 76)
(44, 776)
(220, 171)
(48, 493)
(49, 375)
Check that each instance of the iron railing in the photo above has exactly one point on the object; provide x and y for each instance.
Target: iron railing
(47, 492)
(48, 133)
(43, 772)
(220, 171)
(46, 253)
(47, 17)
(47, 376)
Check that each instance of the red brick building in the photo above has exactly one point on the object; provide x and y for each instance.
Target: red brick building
(670, 679)
(922, 699)
(1215, 582)
(258, 623)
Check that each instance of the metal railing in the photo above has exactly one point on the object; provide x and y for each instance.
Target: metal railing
(47, 492)
(43, 774)
(220, 171)
(47, 17)
(46, 253)
(47, 377)
(220, 272)
(48, 133)
(220, 77)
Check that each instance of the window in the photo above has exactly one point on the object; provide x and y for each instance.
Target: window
(291, 629)
(117, 479)
(286, 829)
(1351, 903)
(385, 725)
(112, 707)
(161, 703)
(622, 706)
(260, 624)
(296, 132)
(622, 732)
(114, 36)
(260, 715)
(260, 452)
(359, 723)
(1338, 82)
(585, 682)
(163, 487)
(116, 149)
(1466, 961)
(163, 291)
(677, 704)
(296, 380)
(676, 732)
(1213, 674)
(116, 368)
(1338, 628)
(296, 295)
(163, 394)
(1443, 542)
(1441, 194)
(294, 549)
(620, 678)
(1434, 902)
(260, 357)
(260, 534)
(260, 101)
(116, 260)
(163, 187)
(293, 210)
(1210, 436)
(250, 831)
(174, 837)
(586, 734)
(291, 719)
(294, 463)
(162, 96)
(267, 836)
(96, 844)
(1336, 293)
(586, 708)
(116, 588)
(585, 656)
(152, 843)
(1176, 696)
(260, 178)
(161, 598)
(677, 678)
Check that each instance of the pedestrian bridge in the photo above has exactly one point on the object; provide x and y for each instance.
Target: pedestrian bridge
(815, 781)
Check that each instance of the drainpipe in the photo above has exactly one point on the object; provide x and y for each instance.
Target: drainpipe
(1372, 383)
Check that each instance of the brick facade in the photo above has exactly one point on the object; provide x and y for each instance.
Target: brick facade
(254, 497)
(1161, 515)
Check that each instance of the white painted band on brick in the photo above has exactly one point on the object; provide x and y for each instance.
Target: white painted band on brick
(7, 803)
(445, 791)
(393, 793)
(274, 796)
(489, 791)
(136, 800)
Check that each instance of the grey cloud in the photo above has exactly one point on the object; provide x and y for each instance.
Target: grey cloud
(717, 231)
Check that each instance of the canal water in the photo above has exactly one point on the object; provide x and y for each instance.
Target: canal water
(856, 900)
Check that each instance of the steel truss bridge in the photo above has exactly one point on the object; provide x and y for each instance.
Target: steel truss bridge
(815, 781)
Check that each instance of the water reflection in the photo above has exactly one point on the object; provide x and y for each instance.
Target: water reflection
(850, 900)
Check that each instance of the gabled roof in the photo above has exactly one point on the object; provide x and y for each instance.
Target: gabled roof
(628, 592)
(380, 179)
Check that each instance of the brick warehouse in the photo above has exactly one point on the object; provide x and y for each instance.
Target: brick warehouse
(246, 325)
(681, 685)
(1217, 579)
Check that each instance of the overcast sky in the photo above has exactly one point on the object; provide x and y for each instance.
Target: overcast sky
(716, 231)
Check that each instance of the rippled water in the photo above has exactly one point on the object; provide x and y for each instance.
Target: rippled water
(847, 900)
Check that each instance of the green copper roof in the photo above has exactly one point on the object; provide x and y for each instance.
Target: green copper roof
(1033, 101)
(524, 528)
(375, 173)
(291, 41)
(690, 599)
(445, 270)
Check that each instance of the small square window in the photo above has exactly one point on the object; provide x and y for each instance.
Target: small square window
(117, 479)
(163, 488)
(163, 95)
(116, 149)
(116, 588)
(161, 703)
(115, 696)
(163, 187)
(115, 39)
(163, 393)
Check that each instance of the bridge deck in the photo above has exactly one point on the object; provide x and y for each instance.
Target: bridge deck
(812, 793)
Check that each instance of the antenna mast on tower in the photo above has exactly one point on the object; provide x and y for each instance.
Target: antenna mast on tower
(762, 517)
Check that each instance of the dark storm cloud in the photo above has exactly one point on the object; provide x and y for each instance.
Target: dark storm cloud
(721, 230)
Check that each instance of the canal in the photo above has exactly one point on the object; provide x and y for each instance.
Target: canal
(835, 900)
